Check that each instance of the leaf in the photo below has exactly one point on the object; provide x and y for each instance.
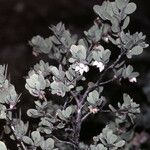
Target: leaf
(109, 9)
(27, 140)
(45, 122)
(81, 52)
(129, 70)
(7, 129)
(98, 147)
(2, 146)
(33, 113)
(36, 137)
(115, 8)
(131, 7)
(78, 52)
(137, 50)
(60, 115)
(97, 9)
(126, 22)
(101, 147)
(93, 97)
(79, 88)
(67, 112)
(120, 143)
(115, 25)
(55, 71)
(106, 55)
(59, 88)
(2, 111)
(83, 42)
(41, 45)
(120, 3)
(42, 67)
(111, 138)
(49, 143)
(60, 125)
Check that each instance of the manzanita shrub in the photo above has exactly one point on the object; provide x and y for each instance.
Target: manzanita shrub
(60, 123)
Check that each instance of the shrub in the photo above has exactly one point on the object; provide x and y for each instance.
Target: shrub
(74, 58)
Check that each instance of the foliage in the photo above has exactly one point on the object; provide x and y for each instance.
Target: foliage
(67, 79)
(2, 146)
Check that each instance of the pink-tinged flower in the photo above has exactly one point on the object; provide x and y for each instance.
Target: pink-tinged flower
(133, 80)
(81, 68)
(99, 65)
(93, 110)
(12, 105)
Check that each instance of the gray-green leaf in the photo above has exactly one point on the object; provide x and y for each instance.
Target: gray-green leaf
(2, 146)
(131, 7)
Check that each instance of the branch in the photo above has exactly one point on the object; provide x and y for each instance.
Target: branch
(75, 97)
(66, 142)
(106, 82)
(86, 116)
(21, 144)
(97, 84)
(76, 79)
(99, 110)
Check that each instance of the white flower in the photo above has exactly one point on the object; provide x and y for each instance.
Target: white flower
(133, 80)
(106, 39)
(99, 65)
(81, 68)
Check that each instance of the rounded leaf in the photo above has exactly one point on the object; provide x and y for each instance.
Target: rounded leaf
(2, 146)
(33, 113)
(137, 50)
(126, 22)
(131, 7)
(120, 143)
(27, 140)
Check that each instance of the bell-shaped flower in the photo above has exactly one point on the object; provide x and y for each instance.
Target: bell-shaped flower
(99, 65)
(81, 68)
(133, 80)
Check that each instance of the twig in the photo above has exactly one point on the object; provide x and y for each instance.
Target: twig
(76, 79)
(18, 140)
(66, 142)
(86, 116)
(106, 111)
(78, 119)
(75, 97)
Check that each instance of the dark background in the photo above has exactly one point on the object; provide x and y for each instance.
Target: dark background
(20, 20)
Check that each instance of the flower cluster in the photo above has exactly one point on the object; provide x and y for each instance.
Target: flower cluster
(81, 68)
